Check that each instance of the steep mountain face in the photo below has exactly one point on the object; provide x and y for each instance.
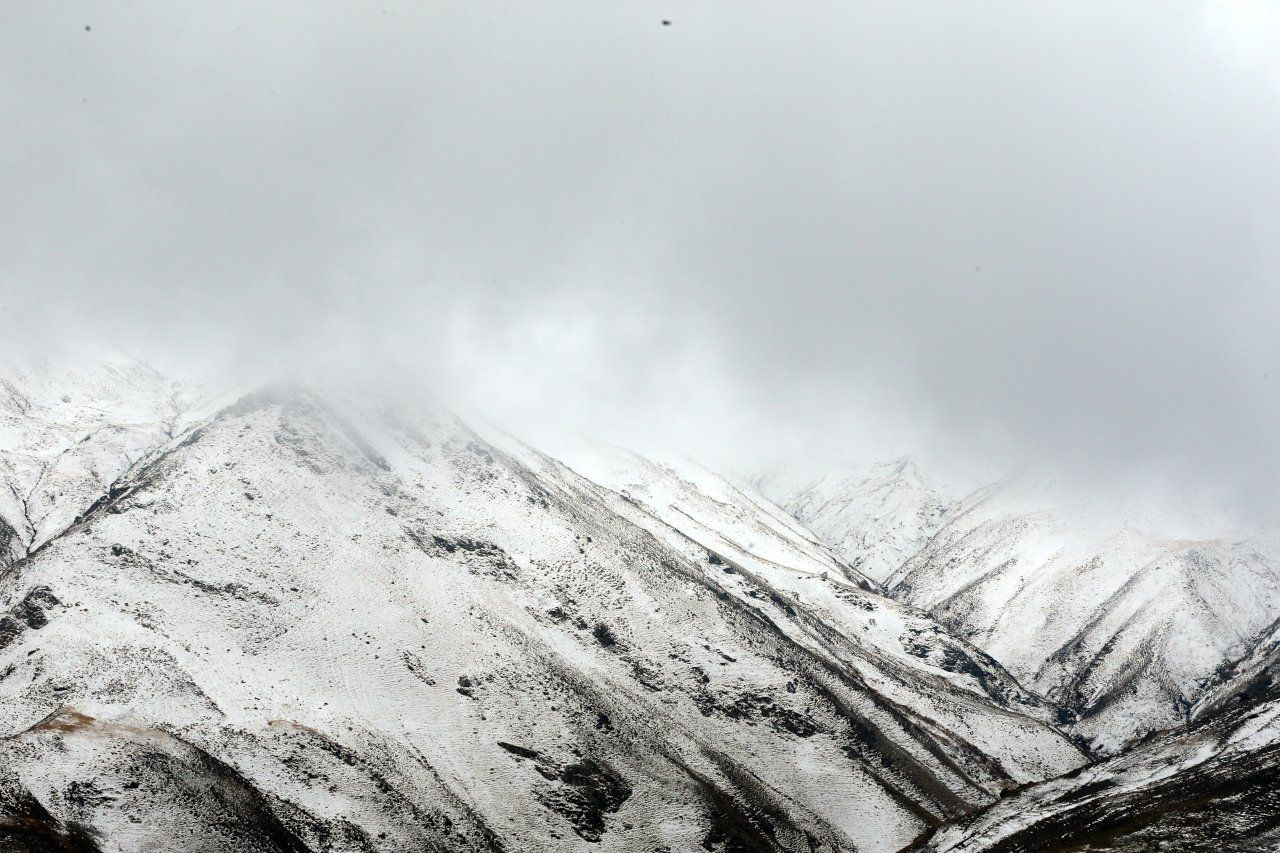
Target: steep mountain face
(896, 647)
(715, 512)
(876, 517)
(69, 429)
(308, 625)
(1213, 785)
(1127, 630)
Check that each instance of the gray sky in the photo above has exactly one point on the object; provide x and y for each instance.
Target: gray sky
(1012, 231)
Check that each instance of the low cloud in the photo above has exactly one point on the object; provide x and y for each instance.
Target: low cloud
(1012, 233)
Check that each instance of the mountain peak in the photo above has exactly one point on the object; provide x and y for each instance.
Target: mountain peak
(874, 515)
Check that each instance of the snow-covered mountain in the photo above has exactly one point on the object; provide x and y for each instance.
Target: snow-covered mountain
(307, 622)
(874, 516)
(1129, 622)
(318, 621)
(691, 508)
(1093, 608)
(1118, 614)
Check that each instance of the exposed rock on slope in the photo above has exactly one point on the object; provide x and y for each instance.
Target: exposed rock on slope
(108, 774)
(368, 631)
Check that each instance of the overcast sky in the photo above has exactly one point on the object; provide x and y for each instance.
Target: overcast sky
(1013, 231)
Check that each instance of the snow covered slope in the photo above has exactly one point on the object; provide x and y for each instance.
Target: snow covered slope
(762, 555)
(712, 510)
(1095, 609)
(874, 516)
(68, 429)
(1214, 785)
(320, 626)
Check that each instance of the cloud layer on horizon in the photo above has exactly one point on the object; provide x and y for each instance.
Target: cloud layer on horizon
(1006, 232)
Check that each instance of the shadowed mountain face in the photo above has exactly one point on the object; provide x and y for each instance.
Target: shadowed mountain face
(152, 789)
(1214, 785)
(308, 623)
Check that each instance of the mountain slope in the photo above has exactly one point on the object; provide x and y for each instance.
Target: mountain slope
(375, 631)
(1091, 609)
(897, 647)
(712, 510)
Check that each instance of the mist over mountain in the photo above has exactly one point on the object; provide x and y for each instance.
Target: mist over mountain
(1004, 234)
